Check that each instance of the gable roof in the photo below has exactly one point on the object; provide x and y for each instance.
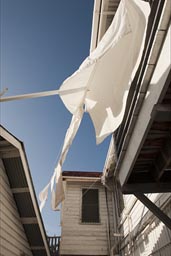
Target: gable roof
(14, 159)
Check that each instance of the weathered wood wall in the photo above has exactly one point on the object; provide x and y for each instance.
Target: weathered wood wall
(13, 240)
(78, 238)
(144, 234)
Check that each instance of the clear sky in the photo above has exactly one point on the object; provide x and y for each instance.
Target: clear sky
(42, 43)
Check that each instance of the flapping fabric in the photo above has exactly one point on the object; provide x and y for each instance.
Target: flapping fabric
(104, 79)
(56, 180)
(107, 72)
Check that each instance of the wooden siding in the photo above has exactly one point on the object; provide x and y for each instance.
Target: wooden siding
(13, 240)
(144, 234)
(78, 238)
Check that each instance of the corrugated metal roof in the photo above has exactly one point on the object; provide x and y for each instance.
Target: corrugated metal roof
(39, 252)
(15, 172)
(25, 205)
(33, 234)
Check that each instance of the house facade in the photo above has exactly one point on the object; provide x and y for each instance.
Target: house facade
(138, 164)
(85, 219)
(137, 230)
(137, 173)
(22, 231)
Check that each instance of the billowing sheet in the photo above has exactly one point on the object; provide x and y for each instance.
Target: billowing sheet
(105, 77)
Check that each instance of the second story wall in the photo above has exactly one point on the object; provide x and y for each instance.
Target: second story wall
(144, 234)
(80, 238)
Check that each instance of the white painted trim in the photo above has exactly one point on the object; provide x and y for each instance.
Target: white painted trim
(154, 91)
(81, 179)
(32, 193)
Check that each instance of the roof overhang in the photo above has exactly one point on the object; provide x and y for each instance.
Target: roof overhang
(142, 144)
(144, 163)
(14, 160)
(77, 176)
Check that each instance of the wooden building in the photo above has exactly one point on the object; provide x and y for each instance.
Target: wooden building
(138, 164)
(130, 213)
(22, 231)
(85, 221)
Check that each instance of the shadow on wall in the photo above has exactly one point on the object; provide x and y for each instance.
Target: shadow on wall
(163, 244)
(150, 236)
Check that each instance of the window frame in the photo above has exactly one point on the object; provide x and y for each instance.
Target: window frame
(81, 207)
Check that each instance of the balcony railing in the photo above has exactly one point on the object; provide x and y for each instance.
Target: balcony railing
(54, 244)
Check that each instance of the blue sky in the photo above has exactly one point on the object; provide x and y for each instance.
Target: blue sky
(42, 43)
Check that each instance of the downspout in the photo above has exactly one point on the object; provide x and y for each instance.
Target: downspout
(130, 236)
(111, 249)
(122, 235)
(108, 222)
(115, 206)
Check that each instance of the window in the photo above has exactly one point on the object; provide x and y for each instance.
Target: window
(90, 206)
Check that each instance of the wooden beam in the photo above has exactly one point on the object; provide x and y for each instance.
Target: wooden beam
(146, 188)
(154, 209)
(162, 108)
(163, 117)
(4, 143)
(7, 150)
(9, 154)
(163, 160)
(156, 134)
(29, 220)
(35, 248)
(20, 190)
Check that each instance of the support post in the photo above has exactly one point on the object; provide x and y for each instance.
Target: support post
(154, 209)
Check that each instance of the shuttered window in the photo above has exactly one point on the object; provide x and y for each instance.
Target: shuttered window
(90, 206)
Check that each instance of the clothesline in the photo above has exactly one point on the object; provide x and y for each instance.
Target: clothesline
(104, 79)
(39, 94)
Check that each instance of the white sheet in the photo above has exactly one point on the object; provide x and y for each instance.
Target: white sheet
(58, 195)
(105, 77)
(107, 72)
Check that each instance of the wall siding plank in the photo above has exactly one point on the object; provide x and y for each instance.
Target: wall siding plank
(13, 240)
(155, 237)
(78, 238)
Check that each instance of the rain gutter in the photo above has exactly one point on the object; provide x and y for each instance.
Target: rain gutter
(83, 179)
